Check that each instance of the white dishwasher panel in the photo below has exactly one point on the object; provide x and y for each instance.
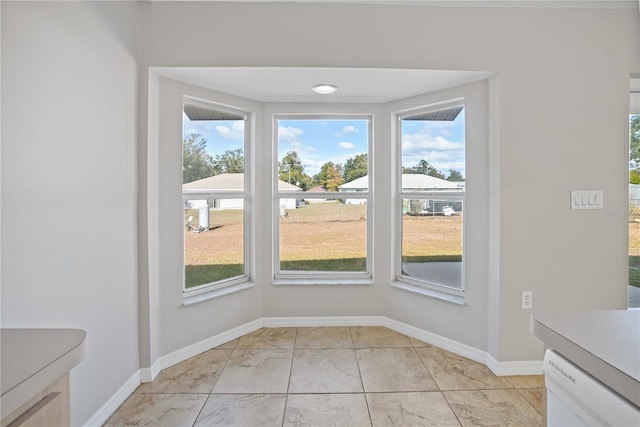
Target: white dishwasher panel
(575, 398)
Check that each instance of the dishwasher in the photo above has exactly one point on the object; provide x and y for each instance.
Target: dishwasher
(575, 398)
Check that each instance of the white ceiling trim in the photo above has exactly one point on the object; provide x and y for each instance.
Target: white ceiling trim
(547, 4)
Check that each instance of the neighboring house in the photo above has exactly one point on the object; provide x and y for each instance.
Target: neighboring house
(421, 182)
(318, 189)
(410, 182)
(634, 194)
(229, 182)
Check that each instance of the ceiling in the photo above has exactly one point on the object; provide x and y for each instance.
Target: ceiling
(590, 4)
(293, 84)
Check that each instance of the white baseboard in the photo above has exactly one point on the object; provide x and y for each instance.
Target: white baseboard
(437, 340)
(317, 322)
(103, 414)
(533, 367)
(209, 343)
(520, 367)
(148, 374)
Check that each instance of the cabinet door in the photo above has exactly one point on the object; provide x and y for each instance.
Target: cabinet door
(48, 408)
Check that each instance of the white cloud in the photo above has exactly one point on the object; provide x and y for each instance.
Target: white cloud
(440, 152)
(422, 142)
(201, 128)
(346, 145)
(350, 129)
(289, 133)
(235, 131)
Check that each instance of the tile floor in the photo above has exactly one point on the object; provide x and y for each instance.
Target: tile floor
(338, 376)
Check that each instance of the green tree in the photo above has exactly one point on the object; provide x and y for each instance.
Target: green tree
(231, 161)
(634, 142)
(330, 176)
(356, 167)
(634, 176)
(424, 168)
(455, 176)
(196, 162)
(634, 138)
(290, 170)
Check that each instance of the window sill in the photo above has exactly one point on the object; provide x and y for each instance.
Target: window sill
(429, 292)
(216, 293)
(322, 282)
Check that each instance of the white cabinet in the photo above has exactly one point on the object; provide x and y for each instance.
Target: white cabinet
(34, 375)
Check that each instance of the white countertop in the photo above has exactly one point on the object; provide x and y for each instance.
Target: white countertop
(605, 344)
(32, 359)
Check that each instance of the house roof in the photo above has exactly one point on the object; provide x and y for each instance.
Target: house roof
(199, 112)
(442, 114)
(317, 189)
(229, 181)
(413, 181)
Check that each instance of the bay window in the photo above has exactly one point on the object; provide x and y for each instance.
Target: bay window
(431, 181)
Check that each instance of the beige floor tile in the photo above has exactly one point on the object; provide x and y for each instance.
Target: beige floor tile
(268, 339)
(319, 410)
(195, 375)
(411, 409)
(339, 337)
(526, 381)
(505, 408)
(453, 372)
(256, 410)
(535, 396)
(417, 343)
(377, 336)
(393, 369)
(325, 375)
(325, 371)
(158, 410)
(230, 345)
(255, 371)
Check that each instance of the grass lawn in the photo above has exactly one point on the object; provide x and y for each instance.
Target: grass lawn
(327, 236)
(332, 237)
(634, 254)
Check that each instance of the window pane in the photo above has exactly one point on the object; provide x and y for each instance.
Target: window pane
(213, 161)
(213, 146)
(321, 155)
(433, 151)
(213, 240)
(433, 161)
(432, 241)
(320, 230)
(634, 211)
(323, 236)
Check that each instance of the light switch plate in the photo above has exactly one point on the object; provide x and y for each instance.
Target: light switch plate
(587, 199)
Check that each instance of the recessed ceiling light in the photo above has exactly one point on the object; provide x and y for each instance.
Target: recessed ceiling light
(324, 89)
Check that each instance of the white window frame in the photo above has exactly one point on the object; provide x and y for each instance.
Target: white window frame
(322, 277)
(426, 287)
(634, 109)
(221, 285)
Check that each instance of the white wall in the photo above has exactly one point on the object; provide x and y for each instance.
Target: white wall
(561, 101)
(468, 323)
(70, 117)
(69, 96)
(180, 326)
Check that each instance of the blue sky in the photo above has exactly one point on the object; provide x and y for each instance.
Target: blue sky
(320, 141)
(440, 143)
(221, 135)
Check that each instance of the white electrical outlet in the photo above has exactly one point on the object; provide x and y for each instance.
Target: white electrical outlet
(527, 299)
